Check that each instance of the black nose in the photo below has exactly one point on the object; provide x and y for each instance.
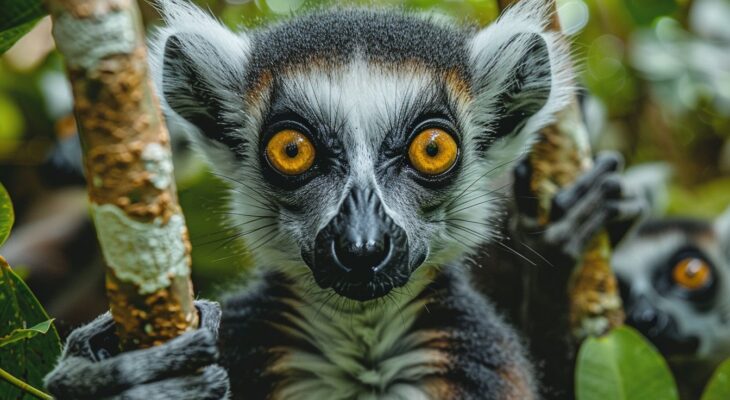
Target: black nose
(659, 327)
(361, 256)
(643, 316)
(361, 244)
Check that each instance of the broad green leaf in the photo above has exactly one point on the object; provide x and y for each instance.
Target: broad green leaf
(719, 386)
(16, 19)
(21, 333)
(28, 359)
(7, 216)
(622, 366)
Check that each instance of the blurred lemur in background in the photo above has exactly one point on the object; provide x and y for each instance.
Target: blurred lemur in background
(363, 150)
(674, 275)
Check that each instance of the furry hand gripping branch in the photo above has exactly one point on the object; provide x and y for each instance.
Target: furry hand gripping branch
(362, 148)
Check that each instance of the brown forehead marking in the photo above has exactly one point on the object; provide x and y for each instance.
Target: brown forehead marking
(260, 89)
(454, 79)
(459, 86)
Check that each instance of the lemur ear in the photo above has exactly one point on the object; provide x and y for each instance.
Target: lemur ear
(524, 87)
(521, 74)
(199, 67)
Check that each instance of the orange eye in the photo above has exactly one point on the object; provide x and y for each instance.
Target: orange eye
(433, 151)
(290, 152)
(692, 273)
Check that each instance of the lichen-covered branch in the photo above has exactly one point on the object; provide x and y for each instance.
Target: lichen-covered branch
(128, 167)
(561, 154)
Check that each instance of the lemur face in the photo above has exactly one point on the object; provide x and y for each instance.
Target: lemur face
(675, 282)
(360, 144)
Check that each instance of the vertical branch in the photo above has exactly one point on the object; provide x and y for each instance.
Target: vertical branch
(561, 154)
(128, 165)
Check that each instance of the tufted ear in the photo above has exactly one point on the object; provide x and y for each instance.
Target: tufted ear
(199, 68)
(521, 75)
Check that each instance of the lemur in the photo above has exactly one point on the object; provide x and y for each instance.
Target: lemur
(363, 149)
(674, 275)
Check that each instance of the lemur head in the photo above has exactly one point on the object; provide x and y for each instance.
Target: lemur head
(675, 280)
(361, 143)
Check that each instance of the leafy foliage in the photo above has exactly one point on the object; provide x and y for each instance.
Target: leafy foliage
(26, 333)
(7, 216)
(18, 17)
(32, 357)
(25, 353)
(622, 366)
(28, 359)
(719, 386)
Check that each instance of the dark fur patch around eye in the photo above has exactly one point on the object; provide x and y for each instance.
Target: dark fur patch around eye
(191, 95)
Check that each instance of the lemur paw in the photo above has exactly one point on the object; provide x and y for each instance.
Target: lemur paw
(91, 366)
(596, 200)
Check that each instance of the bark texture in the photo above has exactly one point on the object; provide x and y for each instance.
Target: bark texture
(128, 165)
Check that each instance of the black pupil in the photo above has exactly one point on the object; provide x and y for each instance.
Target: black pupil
(292, 150)
(432, 149)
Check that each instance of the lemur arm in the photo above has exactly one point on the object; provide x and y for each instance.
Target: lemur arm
(91, 366)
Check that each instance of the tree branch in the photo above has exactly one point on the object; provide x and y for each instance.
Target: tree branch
(128, 165)
(23, 386)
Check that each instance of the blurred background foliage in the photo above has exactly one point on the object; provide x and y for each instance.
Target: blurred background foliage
(656, 75)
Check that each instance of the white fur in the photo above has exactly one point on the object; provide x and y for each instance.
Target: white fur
(362, 349)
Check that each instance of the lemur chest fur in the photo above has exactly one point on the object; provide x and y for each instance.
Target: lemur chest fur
(330, 349)
(437, 340)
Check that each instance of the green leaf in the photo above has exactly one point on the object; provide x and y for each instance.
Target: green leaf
(28, 359)
(21, 333)
(16, 19)
(719, 386)
(7, 216)
(622, 366)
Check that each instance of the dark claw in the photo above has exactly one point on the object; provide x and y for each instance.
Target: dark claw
(606, 164)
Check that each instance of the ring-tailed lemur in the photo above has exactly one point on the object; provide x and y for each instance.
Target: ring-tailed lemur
(674, 275)
(362, 147)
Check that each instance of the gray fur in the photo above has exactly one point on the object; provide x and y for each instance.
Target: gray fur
(87, 369)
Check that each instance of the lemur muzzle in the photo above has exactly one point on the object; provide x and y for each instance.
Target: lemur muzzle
(362, 253)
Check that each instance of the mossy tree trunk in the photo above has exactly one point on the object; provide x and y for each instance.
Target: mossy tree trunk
(128, 166)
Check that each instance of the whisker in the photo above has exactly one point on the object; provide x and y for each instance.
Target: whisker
(482, 176)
